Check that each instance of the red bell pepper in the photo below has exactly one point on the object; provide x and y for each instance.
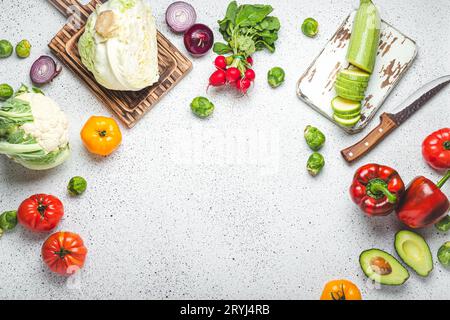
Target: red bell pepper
(436, 149)
(424, 204)
(377, 189)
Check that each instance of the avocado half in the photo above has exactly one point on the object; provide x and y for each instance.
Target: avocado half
(414, 251)
(382, 267)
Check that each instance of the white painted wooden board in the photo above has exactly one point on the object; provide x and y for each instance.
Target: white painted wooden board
(395, 55)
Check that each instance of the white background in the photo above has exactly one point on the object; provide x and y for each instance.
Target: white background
(224, 222)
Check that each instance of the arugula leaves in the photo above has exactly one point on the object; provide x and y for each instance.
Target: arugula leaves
(247, 29)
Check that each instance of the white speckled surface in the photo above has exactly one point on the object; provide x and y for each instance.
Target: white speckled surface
(227, 222)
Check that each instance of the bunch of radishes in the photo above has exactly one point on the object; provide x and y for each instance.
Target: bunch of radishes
(235, 71)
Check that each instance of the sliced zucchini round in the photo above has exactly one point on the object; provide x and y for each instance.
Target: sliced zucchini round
(346, 122)
(348, 116)
(351, 83)
(355, 75)
(344, 106)
(348, 96)
(354, 91)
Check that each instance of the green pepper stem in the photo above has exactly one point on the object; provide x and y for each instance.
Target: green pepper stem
(443, 180)
(377, 187)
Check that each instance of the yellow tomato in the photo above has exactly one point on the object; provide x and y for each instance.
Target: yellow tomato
(101, 135)
(341, 290)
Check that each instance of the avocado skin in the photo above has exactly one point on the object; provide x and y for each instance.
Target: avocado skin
(387, 254)
(397, 243)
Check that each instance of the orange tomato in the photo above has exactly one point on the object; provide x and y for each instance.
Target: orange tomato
(341, 290)
(101, 135)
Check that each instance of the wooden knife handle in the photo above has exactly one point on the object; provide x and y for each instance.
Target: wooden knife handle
(358, 150)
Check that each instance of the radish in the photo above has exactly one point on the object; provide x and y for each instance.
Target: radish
(250, 75)
(220, 62)
(218, 78)
(250, 61)
(243, 85)
(233, 74)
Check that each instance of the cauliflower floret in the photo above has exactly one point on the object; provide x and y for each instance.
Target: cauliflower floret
(50, 125)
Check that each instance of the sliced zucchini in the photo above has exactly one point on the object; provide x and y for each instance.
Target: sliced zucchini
(348, 116)
(355, 75)
(344, 106)
(346, 122)
(362, 50)
(349, 95)
(351, 83)
(354, 91)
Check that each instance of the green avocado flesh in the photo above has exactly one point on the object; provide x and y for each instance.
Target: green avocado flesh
(383, 268)
(354, 75)
(414, 252)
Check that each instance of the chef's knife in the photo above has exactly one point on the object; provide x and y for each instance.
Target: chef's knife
(391, 121)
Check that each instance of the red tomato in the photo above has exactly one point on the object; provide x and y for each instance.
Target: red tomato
(40, 213)
(64, 253)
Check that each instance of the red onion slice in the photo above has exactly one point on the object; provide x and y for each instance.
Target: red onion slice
(44, 70)
(180, 16)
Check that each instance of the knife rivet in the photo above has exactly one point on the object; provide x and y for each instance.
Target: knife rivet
(350, 154)
(380, 130)
(366, 144)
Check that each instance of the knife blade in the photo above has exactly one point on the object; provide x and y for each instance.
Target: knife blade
(391, 121)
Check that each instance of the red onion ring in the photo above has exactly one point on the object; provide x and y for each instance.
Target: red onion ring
(44, 70)
(180, 16)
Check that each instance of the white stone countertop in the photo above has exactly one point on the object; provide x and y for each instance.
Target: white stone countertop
(222, 208)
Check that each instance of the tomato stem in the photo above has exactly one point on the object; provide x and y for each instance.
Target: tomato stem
(62, 253)
(41, 209)
(447, 145)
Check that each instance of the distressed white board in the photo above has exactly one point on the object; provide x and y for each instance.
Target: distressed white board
(396, 52)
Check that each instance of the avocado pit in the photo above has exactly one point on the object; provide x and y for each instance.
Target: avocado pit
(380, 266)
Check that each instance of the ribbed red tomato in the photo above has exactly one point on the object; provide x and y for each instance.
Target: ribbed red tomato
(40, 213)
(64, 253)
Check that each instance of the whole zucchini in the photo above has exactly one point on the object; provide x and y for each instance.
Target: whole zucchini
(362, 51)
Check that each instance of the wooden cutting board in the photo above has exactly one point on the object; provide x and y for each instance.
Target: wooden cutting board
(129, 106)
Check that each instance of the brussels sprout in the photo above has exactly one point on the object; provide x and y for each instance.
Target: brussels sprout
(444, 224)
(310, 27)
(444, 254)
(6, 92)
(315, 164)
(314, 138)
(6, 49)
(77, 185)
(275, 77)
(202, 107)
(23, 49)
(8, 220)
